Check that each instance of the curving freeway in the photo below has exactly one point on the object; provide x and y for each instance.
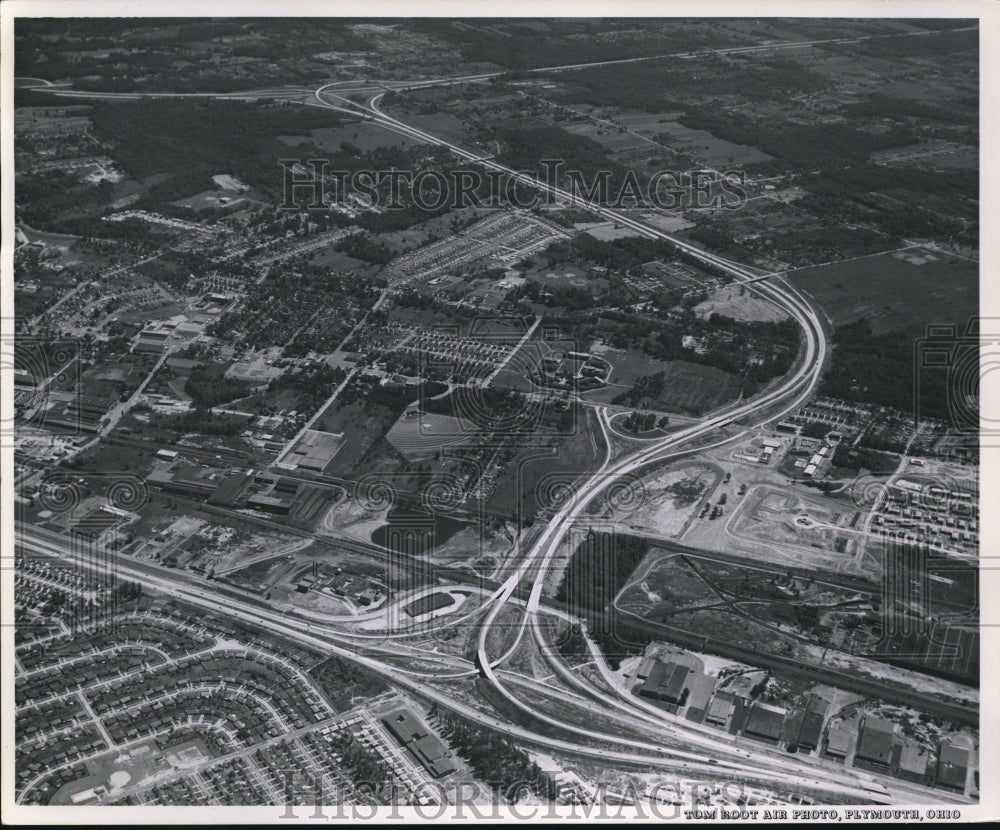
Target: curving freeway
(707, 751)
(786, 397)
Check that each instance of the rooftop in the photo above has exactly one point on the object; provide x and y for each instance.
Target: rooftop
(952, 767)
(839, 740)
(404, 725)
(765, 721)
(876, 740)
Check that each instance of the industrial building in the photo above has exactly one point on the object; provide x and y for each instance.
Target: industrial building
(811, 729)
(952, 767)
(187, 480)
(314, 450)
(839, 743)
(665, 682)
(913, 761)
(875, 745)
(417, 738)
(720, 710)
(765, 722)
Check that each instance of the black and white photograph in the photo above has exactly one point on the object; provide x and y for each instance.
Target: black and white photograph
(552, 413)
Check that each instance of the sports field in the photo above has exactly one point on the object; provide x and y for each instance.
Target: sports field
(421, 435)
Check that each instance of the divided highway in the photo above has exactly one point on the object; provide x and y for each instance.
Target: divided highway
(522, 589)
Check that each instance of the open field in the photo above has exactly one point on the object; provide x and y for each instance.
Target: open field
(666, 501)
(609, 137)
(693, 388)
(628, 365)
(337, 260)
(778, 516)
(702, 145)
(895, 293)
(361, 427)
(365, 137)
(740, 304)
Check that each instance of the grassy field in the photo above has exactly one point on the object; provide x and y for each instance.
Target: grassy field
(715, 152)
(524, 483)
(365, 137)
(364, 427)
(609, 137)
(630, 365)
(337, 261)
(893, 293)
(694, 389)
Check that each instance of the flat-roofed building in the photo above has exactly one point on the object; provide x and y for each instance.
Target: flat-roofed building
(270, 504)
(811, 728)
(665, 682)
(428, 749)
(840, 742)
(875, 744)
(913, 761)
(765, 722)
(952, 767)
(645, 667)
(720, 710)
(404, 725)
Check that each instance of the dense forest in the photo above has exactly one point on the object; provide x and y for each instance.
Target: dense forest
(559, 42)
(598, 569)
(495, 760)
(665, 85)
(194, 140)
(342, 680)
(524, 149)
(207, 386)
(882, 369)
(617, 254)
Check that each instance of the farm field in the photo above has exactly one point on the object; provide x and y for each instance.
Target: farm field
(715, 152)
(895, 293)
(609, 137)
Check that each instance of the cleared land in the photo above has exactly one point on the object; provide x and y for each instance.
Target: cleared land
(893, 292)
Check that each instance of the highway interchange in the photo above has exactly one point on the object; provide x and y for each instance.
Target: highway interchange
(707, 752)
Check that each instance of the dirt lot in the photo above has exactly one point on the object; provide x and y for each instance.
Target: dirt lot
(740, 304)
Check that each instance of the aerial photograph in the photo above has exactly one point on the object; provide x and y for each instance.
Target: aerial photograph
(493, 417)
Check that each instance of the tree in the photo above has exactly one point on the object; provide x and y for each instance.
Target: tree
(815, 429)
